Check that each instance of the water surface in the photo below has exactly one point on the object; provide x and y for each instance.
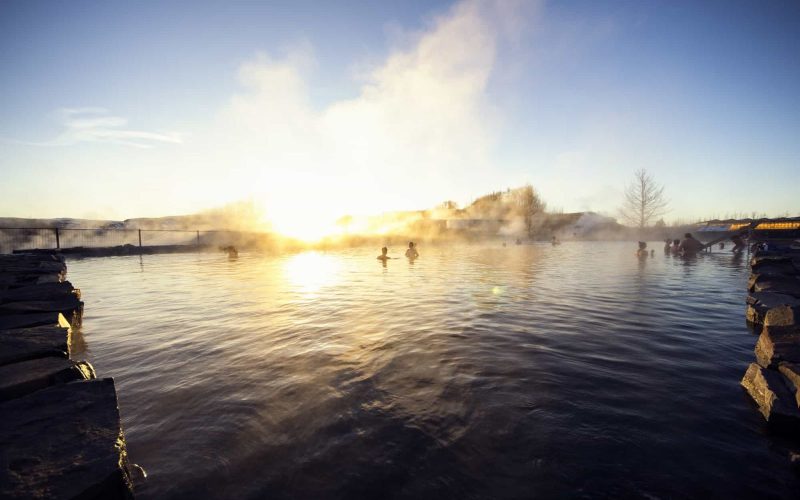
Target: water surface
(473, 372)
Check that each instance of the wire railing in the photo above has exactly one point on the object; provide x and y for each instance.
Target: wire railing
(47, 238)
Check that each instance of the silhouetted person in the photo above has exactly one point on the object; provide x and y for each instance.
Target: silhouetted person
(642, 251)
(232, 252)
(411, 252)
(555, 241)
(689, 245)
(383, 255)
(667, 245)
(676, 246)
(652, 253)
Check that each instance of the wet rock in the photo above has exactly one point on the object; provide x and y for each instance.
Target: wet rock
(776, 344)
(31, 343)
(68, 305)
(38, 256)
(794, 461)
(32, 267)
(31, 320)
(782, 316)
(770, 258)
(774, 400)
(784, 268)
(19, 379)
(67, 302)
(38, 292)
(758, 303)
(787, 285)
(64, 441)
(791, 372)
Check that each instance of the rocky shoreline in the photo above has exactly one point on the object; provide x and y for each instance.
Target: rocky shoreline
(773, 308)
(61, 435)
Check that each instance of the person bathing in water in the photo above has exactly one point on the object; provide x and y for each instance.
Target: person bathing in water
(232, 252)
(689, 245)
(642, 251)
(383, 255)
(412, 253)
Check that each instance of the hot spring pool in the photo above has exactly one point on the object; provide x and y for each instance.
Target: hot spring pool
(475, 372)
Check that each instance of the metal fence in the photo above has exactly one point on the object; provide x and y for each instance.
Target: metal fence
(26, 238)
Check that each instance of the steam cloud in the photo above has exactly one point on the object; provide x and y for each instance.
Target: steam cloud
(419, 130)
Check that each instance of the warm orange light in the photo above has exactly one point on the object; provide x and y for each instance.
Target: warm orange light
(778, 225)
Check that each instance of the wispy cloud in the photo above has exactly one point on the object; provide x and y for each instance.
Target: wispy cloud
(98, 125)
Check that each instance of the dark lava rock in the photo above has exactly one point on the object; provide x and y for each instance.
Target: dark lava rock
(19, 379)
(23, 344)
(777, 344)
(38, 292)
(787, 285)
(32, 267)
(38, 256)
(782, 316)
(65, 304)
(775, 269)
(64, 442)
(791, 372)
(758, 303)
(30, 320)
(774, 400)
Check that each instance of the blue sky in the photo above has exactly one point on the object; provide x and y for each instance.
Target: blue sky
(118, 110)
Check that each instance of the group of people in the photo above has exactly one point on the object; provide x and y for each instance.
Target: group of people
(688, 246)
(411, 252)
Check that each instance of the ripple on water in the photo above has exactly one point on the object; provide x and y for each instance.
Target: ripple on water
(476, 372)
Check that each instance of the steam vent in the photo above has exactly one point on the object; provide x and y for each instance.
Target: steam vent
(61, 435)
(773, 308)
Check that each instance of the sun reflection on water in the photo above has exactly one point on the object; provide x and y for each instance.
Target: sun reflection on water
(308, 272)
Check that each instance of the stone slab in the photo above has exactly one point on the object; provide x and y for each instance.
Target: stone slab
(783, 268)
(65, 441)
(777, 344)
(40, 256)
(30, 320)
(759, 303)
(32, 267)
(787, 285)
(23, 344)
(9, 280)
(68, 305)
(782, 316)
(774, 400)
(38, 292)
(19, 379)
(791, 372)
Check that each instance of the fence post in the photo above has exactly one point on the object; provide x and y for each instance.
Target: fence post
(198, 238)
(58, 240)
(140, 239)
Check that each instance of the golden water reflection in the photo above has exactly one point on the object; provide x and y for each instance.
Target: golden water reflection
(309, 272)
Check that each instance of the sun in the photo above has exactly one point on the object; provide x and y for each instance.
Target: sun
(305, 225)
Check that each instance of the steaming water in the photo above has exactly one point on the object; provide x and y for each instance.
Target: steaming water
(474, 372)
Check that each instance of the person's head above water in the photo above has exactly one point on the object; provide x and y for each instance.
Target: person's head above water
(676, 242)
(410, 244)
(687, 235)
(384, 251)
(642, 245)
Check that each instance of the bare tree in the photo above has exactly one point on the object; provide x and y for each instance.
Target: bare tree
(644, 200)
(528, 204)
